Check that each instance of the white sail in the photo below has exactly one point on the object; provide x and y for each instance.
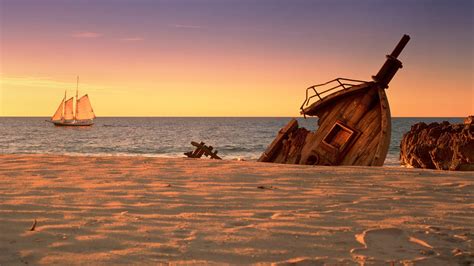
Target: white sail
(68, 109)
(84, 109)
(59, 113)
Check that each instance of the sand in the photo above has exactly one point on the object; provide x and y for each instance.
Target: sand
(136, 210)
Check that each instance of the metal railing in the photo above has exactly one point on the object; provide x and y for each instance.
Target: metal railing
(339, 83)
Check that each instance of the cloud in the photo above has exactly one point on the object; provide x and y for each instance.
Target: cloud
(86, 34)
(132, 39)
(15, 82)
(184, 26)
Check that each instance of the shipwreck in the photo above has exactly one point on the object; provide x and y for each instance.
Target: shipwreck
(354, 122)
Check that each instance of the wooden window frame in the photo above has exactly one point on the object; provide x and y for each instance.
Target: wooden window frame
(354, 133)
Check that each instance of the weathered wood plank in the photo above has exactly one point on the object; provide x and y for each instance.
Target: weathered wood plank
(325, 124)
(277, 143)
(334, 97)
(202, 149)
(298, 141)
(361, 106)
(386, 130)
(370, 128)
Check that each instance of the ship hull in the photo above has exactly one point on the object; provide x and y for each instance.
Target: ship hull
(354, 122)
(73, 123)
(353, 129)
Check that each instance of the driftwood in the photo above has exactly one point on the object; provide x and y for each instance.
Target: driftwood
(33, 227)
(202, 149)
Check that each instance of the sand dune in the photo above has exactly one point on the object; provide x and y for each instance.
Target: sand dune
(134, 210)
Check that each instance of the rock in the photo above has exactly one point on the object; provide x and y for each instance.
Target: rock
(469, 120)
(442, 146)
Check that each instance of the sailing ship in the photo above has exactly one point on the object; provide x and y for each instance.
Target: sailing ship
(354, 122)
(67, 115)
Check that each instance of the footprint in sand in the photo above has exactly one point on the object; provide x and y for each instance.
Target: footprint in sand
(391, 245)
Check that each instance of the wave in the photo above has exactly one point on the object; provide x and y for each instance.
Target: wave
(106, 125)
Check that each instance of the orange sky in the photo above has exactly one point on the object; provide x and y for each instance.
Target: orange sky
(142, 59)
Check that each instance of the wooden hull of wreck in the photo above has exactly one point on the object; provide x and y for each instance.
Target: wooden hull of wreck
(353, 129)
(354, 122)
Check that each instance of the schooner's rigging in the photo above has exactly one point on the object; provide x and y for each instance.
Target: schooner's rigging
(66, 115)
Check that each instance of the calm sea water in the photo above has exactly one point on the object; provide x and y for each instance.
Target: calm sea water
(234, 138)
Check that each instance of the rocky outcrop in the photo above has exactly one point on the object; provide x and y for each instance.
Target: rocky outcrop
(442, 146)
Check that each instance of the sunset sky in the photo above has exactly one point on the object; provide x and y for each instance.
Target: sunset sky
(230, 58)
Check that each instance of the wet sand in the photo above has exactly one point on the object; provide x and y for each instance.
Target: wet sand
(136, 210)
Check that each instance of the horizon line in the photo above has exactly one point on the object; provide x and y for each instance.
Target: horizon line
(13, 116)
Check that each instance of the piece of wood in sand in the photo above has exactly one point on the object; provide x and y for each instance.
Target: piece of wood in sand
(202, 149)
(33, 227)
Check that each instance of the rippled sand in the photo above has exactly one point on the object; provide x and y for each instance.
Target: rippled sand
(133, 210)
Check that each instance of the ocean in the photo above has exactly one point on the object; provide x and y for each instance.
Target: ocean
(235, 138)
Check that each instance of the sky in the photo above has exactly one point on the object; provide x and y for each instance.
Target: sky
(229, 57)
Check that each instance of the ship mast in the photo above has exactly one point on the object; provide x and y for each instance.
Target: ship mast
(77, 98)
(62, 113)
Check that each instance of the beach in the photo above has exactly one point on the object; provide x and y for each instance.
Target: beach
(142, 210)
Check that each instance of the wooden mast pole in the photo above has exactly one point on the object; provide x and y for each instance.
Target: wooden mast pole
(77, 98)
(64, 100)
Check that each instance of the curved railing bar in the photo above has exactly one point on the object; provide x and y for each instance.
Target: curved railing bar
(343, 82)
